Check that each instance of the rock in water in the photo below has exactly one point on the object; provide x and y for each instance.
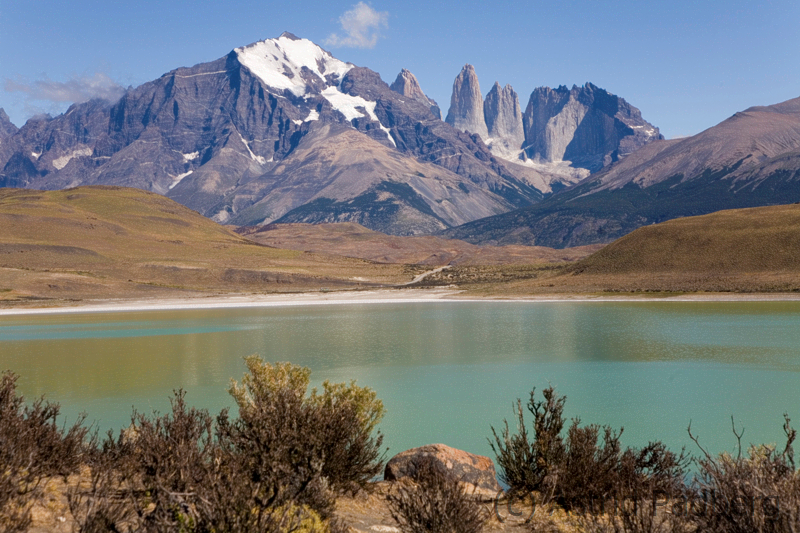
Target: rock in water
(407, 85)
(466, 104)
(504, 121)
(475, 471)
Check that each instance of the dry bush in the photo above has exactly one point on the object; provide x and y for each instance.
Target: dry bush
(32, 448)
(435, 503)
(524, 463)
(757, 493)
(587, 471)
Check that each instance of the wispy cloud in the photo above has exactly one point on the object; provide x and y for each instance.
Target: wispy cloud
(361, 26)
(75, 90)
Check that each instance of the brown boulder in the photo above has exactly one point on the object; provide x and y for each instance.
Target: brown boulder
(475, 471)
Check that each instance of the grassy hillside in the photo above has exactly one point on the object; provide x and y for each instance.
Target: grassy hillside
(736, 241)
(738, 250)
(95, 242)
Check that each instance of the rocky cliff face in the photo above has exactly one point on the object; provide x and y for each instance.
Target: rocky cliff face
(407, 85)
(466, 104)
(564, 132)
(585, 125)
(751, 159)
(504, 121)
(218, 135)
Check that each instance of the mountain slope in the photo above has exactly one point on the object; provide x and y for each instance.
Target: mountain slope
(199, 134)
(751, 159)
(114, 241)
(336, 174)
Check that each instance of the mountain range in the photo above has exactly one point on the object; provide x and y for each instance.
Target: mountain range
(280, 131)
(750, 159)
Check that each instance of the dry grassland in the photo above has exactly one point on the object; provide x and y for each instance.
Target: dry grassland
(104, 242)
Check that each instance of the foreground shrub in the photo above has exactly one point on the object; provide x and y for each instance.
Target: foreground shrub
(335, 427)
(588, 471)
(525, 462)
(32, 448)
(435, 503)
(275, 468)
(756, 493)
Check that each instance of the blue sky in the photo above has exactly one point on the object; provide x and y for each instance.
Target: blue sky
(686, 64)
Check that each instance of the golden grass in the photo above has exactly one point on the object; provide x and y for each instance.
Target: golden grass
(99, 242)
(740, 250)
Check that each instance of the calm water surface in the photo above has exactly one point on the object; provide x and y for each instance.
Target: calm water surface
(445, 371)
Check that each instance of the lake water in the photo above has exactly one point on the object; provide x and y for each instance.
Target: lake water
(446, 371)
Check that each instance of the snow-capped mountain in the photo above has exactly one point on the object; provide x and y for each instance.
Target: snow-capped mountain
(271, 128)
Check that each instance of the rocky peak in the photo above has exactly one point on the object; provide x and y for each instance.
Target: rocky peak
(466, 104)
(407, 85)
(504, 120)
(7, 128)
(290, 64)
(585, 125)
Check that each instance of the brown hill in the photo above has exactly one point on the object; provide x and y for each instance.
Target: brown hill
(354, 240)
(742, 250)
(97, 242)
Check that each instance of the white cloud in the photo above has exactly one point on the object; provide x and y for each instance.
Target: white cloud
(75, 90)
(361, 26)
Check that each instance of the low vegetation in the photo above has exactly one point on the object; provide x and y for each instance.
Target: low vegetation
(645, 490)
(288, 454)
(278, 466)
(435, 502)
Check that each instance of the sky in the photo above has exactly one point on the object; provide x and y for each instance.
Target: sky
(687, 65)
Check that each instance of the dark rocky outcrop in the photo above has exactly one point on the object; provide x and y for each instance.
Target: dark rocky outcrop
(466, 104)
(475, 471)
(7, 128)
(407, 85)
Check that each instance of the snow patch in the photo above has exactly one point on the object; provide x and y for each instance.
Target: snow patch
(177, 179)
(191, 157)
(298, 122)
(62, 161)
(312, 115)
(347, 105)
(36, 155)
(257, 158)
(278, 62)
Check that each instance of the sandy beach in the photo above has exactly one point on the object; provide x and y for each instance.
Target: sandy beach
(381, 296)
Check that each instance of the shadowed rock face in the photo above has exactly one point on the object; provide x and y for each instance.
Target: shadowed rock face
(504, 120)
(466, 104)
(586, 125)
(407, 85)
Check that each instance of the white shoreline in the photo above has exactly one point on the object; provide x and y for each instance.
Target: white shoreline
(379, 296)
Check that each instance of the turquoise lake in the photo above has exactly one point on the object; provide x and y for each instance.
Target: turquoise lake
(446, 372)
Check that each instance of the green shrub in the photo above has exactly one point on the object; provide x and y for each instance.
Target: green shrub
(335, 427)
